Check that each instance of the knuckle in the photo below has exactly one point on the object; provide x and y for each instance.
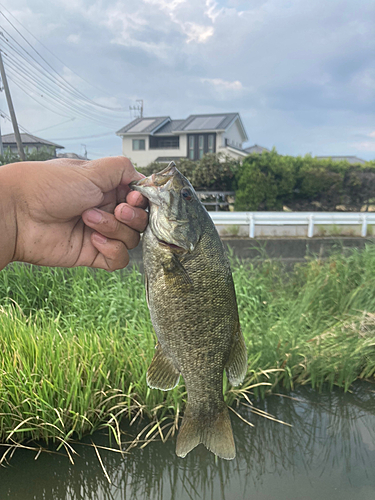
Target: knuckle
(110, 225)
(114, 250)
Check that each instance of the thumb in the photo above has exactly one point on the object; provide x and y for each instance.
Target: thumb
(109, 173)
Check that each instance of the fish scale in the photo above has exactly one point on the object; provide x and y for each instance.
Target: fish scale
(192, 303)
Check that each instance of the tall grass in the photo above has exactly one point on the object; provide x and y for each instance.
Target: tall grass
(75, 344)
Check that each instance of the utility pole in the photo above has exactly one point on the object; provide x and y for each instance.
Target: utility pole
(85, 154)
(1, 143)
(138, 108)
(11, 110)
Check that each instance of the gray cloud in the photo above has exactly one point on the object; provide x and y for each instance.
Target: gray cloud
(301, 74)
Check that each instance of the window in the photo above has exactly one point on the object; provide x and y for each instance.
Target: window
(200, 144)
(138, 144)
(164, 142)
(191, 147)
(201, 147)
(210, 148)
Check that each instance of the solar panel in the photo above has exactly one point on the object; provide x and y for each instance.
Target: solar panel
(140, 126)
(205, 123)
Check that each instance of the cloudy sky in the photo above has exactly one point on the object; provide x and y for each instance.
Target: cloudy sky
(301, 73)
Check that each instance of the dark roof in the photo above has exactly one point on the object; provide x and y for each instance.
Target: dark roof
(162, 159)
(72, 156)
(353, 160)
(143, 125)
(164, 124)
(28, 139)
(169, 127)
(235, 148)
(216, 121)
(256, 149)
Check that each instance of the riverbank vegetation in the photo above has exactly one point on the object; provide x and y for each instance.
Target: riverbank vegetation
(270, 181)
(75, 344)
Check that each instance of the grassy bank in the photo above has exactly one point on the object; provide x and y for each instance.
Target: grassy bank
(75, 345)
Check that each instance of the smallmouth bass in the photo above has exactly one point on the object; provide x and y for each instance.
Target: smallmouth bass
(192, 302)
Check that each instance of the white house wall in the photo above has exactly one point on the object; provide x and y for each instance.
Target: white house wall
(233, 134)
(147, 156)
(232, 154)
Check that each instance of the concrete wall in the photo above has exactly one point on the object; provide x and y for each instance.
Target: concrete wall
(264, 231)
(289, 250)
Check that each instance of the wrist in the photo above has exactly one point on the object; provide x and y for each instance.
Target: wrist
(8, 215)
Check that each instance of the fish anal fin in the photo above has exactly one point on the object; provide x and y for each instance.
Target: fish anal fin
(162, 373)
(236, 366)
(215, 433)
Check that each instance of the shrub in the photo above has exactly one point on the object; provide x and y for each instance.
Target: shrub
(10, 157)
(269, 181)
(214, 172)
(265, 181)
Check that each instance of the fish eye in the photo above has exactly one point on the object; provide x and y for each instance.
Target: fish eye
(186, 194)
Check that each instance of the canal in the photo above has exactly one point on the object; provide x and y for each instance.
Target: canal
(328, 453)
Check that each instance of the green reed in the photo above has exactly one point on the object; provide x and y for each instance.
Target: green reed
(75, 344)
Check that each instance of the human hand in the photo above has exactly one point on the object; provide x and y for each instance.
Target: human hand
(75, 213)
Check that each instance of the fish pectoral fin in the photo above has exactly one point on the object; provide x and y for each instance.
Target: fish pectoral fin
(175, 271)
(147, 290)
(236, 366)
(162, 373)
(215, 432)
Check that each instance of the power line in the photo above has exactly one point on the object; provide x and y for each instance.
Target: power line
(56, 125)
(7, 117)
(83, 137)
(53, 69)
(54, 55)
(48, 92)
(19, 79)
(79, 101)
(21, 87)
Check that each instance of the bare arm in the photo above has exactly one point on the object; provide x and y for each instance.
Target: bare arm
(8, 222)
(70, 213)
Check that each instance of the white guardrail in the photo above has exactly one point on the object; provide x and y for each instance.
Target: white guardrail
(293, 219)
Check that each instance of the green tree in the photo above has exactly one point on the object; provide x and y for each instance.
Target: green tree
(41, 155)
(214, 172)
(265, 181)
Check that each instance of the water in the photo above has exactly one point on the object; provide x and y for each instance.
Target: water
(328, 454)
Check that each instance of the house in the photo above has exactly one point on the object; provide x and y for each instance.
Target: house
(353, 160)
(31, 142)
(162, 139)
(72, 156)
(256, 149)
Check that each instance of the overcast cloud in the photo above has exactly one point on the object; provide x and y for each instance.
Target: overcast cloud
(300, 73)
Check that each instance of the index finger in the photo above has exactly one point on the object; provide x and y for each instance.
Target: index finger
(111, 172)
(136, 199)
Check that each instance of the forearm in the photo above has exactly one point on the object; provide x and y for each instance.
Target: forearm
(8, 221)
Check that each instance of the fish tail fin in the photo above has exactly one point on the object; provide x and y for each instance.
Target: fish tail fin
(214, 432)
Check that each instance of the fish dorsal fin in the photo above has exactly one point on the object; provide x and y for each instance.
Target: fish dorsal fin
(162, 373)
(236, 366)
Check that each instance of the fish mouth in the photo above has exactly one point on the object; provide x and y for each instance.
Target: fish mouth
(155, 180)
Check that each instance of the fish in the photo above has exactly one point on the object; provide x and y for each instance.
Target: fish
(192, 302)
